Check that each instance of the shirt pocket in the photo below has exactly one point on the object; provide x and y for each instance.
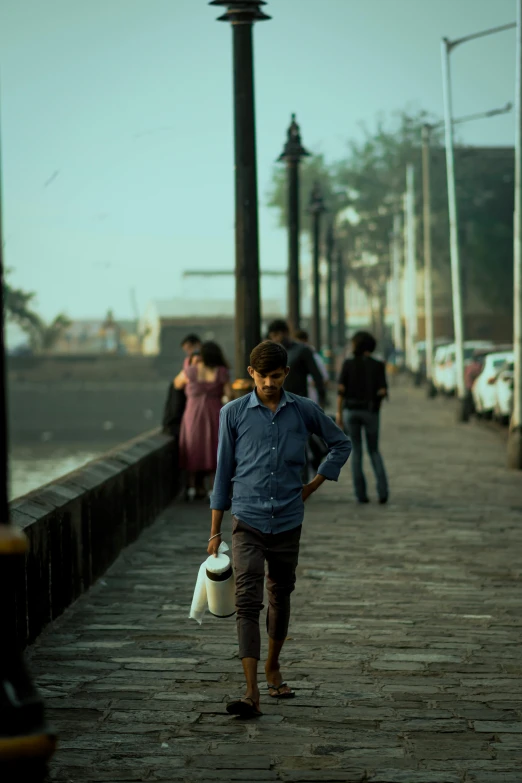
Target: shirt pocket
(295, 446)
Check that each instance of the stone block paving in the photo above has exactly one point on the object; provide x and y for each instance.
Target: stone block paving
(404, 646)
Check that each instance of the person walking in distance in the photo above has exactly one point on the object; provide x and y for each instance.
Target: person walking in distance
(302, 336)
(190, 345)
(300, 361)
(206, 382)
(362, 388)
(261, 453)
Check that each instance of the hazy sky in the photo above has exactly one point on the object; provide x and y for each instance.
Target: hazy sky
(130, 101)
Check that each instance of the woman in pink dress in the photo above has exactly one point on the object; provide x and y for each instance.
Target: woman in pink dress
(207, 385)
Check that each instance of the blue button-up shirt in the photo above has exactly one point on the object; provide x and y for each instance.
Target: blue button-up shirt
(261, 455)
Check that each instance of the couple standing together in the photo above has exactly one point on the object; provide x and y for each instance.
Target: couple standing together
(261, 454)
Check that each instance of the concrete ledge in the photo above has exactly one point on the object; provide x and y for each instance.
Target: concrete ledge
(78, 525)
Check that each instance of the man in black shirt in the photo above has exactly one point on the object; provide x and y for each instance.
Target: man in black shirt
(301, 362)
(362, 388)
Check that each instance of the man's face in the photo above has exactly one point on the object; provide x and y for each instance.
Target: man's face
(269, 384)
(276, 337)
(189, 348)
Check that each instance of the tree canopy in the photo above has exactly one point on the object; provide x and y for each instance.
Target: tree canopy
(18, 309)
(365, 189)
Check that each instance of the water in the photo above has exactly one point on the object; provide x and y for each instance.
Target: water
(36, 464)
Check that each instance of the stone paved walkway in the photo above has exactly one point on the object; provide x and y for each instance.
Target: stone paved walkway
(403, 647)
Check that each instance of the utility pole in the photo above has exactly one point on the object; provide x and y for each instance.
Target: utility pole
(396, 287)
(428, 280)
(292, 154)
(316, 209)
(515, 429)
(411, 270)
(456, 282)
(242, 17)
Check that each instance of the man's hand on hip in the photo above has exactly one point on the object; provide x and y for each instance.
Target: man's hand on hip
(313, 486)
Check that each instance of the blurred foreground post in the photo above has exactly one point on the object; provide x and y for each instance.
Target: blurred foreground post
(242, 16)
(515, 430)
(292, 154)
(25, 741)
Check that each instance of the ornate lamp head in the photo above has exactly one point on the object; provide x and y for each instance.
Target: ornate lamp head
(241, 11)
(293, 150)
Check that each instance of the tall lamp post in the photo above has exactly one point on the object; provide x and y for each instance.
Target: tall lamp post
(515, 430)
(316, 209)
(396, 278)
(447, 47)
(426, 188)
(456, 281)
(410, 270)
(428, 282)
(341, 302)
(330, 247)
(242, 14)
(292, 155)
(24, 736)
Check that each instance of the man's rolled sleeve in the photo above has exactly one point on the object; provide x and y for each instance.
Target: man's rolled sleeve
(220, 499)
(339, 444)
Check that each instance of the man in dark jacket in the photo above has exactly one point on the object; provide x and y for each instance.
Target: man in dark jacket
(362, 388)
(300, 360)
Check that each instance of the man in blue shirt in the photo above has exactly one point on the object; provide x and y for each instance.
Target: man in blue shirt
(261, 453)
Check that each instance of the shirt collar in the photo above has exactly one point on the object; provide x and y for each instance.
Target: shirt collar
(254, 401)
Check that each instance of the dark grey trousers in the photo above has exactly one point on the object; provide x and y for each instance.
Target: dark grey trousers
(355, 421)
(251, 549)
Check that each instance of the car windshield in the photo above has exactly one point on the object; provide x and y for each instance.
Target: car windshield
(498, 363)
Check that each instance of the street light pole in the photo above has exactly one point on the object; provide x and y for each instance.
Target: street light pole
(242, 15)
(396, 287)
(458, 326)
(428, 281)
(330, 245)
(292, 154)
(515, 430)
(341, 303)
(316, 209)
(411, 269)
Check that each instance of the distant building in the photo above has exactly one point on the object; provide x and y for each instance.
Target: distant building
(166, 322)
(103, 335)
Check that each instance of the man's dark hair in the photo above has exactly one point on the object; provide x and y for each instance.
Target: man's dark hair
(212, 355)
(268, 357)
(278, 326)
(191, 339)
(363, 342)
(301, 334)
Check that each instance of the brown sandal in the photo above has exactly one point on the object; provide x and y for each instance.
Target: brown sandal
(277, 695)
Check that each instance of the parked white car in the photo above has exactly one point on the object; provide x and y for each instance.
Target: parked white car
(449, 376)
(484, 389)
(503, 408)
(439, 364)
